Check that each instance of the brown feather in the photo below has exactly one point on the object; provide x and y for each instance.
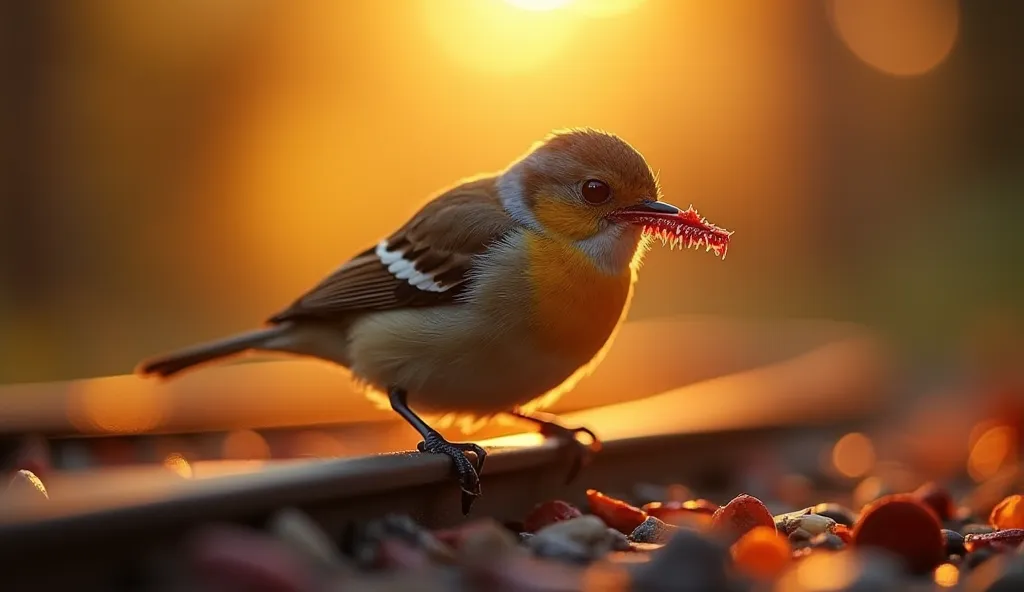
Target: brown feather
(440, 240)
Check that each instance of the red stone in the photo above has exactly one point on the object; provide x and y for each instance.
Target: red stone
(741, 515)
(905, 526)
(549, 512)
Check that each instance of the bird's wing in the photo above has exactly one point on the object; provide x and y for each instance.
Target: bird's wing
(424, 263)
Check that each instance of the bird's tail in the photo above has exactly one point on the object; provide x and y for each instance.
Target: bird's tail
(170, 364)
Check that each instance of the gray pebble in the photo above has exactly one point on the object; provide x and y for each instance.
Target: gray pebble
(806, 520)
(579, 540)
(689, 562)
(653, 530)
(954, 542)
(827, 540)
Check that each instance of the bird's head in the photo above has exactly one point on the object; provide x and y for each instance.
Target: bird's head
(595, 190)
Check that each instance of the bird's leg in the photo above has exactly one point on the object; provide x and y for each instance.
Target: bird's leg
(551, 428)
(469, 475)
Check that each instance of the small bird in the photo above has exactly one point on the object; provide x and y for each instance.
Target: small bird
(495, 297)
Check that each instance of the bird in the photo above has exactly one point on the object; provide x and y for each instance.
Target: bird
(497, 295)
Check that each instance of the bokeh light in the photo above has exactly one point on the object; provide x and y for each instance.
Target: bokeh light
(176, 463)
(947, 575)
(898, 37)
(867, 490)
(821, 572)
(992, 450)
(245, 445)
(853, 455)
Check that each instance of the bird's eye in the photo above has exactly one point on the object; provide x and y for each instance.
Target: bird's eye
(596, 192)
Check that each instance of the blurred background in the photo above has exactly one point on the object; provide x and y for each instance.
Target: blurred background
(181, 170)
(176, 171)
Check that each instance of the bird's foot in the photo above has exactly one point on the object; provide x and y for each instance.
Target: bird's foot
(469, 474)
(582, 452)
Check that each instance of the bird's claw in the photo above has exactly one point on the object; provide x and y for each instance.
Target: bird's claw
(582, 452)
(468, 472)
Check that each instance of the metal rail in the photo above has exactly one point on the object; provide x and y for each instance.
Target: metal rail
(89, 541)
(99, 525)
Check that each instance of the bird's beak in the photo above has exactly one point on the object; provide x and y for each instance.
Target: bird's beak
(642, 212)
(685, 228)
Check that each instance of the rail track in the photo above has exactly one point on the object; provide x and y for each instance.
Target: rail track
(104, 526)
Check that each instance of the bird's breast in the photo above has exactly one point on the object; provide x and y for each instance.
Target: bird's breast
(575, 306)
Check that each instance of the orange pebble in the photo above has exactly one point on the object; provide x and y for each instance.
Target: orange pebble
(1008, 513)
(762, 553)
(904, 526)
(741, 515)
(615, 512)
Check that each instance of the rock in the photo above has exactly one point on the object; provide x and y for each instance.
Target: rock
(689, 562)
(579, 540)
(954, 542)
(653, 530)
(487, 540)
(549, 512)
(806, 520)
(827, 540)
(615, 512)
(904, 526)
(841, 514)
(363, 542)
(741, 515)
(1008, 513)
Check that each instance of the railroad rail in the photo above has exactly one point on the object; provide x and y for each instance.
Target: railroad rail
(102, 523)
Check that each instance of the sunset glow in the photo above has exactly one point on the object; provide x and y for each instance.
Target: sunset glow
(539, 4)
